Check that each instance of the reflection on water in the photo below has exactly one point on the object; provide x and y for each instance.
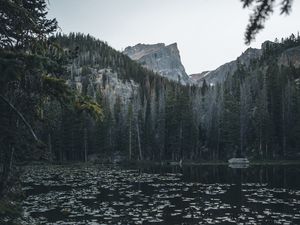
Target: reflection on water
(162, 195)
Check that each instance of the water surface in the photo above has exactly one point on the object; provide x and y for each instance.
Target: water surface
(79, 194)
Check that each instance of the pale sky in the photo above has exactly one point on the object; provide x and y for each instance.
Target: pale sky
(209, 33)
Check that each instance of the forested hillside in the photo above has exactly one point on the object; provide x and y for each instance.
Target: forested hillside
(256, 112)
(76, 114)
(253, 113)
(31, 81)
(145, 116)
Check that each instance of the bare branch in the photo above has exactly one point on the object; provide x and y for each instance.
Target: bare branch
(21, 117)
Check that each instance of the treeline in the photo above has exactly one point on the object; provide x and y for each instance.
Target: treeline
(71, 97)
(155, 122)
(32, 69)
(52, 89)
(254, 113)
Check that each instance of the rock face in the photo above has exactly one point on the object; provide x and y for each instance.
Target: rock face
(290, 57)
(198, 76)
(165, 60)
(219, 75)
(105, 81)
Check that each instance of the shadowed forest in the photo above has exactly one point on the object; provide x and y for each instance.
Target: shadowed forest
(69, 98)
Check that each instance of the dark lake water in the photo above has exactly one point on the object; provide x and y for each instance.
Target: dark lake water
(162, 195)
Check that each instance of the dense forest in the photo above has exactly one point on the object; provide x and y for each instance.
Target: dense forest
(146, 117)
(89, 136)
(254, 113)
(73, 97)
(32, 72)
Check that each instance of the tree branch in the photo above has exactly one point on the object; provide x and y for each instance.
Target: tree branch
(21, 117)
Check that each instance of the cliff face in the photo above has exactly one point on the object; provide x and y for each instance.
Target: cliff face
(108, 84)
(198, 76)
(162, 59)
(290, 57)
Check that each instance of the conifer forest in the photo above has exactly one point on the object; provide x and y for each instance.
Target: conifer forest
(93, 135)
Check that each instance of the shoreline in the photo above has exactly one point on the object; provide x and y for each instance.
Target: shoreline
(169, 163)
(220, 163)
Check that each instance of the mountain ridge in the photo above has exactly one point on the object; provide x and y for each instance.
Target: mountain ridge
(220, 73)
(160, 58)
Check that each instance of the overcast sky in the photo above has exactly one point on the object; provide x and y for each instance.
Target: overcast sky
(208, 32)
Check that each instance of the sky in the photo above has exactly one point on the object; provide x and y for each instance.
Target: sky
(209, 33)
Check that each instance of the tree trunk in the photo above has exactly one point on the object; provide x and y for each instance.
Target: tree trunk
(85, 145)
(139, 140)
(242, 146)
(11, 159)
(283, 127)
(218, 144)
(50, 147)
(260, 144)
(129, 147)
(7, 167)
(180, 141)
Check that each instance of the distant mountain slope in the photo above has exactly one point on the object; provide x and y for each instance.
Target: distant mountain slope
(220, 74)
(197, 76)
(254, 112)
(160, 58)
(144, 112)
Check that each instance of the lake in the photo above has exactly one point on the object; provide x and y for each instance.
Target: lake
(87, 194)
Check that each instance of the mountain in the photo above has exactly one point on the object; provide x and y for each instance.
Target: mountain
(162, 59)
(289, 57)
(253, 113)
(197, 76)
(222, 72)
(144, 112)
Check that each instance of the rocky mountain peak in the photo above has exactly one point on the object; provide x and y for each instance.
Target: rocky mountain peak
(266, 44)
(248, 55)
(138, 51)
(160, 58)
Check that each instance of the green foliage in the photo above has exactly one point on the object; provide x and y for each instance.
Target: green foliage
(261, 12)
(246, 115)
(243, 116)
(23, 23)
(57, 89)
(32, 78)
(86, 104)
(94, 53)
(260, 107)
